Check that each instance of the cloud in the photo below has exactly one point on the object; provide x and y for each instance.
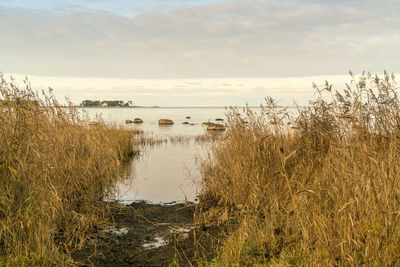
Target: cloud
(228, 39)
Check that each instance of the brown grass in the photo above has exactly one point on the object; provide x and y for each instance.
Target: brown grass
(146, 139)
(54, 170)
(325, 193)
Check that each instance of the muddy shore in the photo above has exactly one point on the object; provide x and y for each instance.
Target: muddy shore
(144, 234)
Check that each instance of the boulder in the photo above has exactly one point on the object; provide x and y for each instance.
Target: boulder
(165, 122)
(219, 119)
(137, 120)
(185, 122)
(188, 117)
(128, 121)
(215, 127)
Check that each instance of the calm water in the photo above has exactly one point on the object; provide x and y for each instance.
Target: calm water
(150, 117)
(163, 173)
(166, 172)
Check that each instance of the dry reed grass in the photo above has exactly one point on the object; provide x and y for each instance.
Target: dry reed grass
(324, 193)
(54, 170)
(146, 139)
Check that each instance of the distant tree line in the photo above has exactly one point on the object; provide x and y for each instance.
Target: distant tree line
(105, 103)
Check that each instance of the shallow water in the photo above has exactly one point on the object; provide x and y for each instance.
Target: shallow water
(150, 117)
(163, 173)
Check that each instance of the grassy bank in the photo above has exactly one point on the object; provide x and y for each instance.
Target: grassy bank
(54, 170)
(321, 187)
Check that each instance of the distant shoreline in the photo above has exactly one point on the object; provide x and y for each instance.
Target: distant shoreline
(117, 107)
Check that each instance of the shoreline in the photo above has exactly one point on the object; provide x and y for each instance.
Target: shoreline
(144, 234)
(220, 107)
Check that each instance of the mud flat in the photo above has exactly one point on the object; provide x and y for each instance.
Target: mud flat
(146, 234)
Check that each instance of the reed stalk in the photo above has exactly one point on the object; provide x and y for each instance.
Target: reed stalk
(55, 168)
(320, 187)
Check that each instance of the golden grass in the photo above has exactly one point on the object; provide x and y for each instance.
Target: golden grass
(321, 191)
(54, 170)
(146, 139)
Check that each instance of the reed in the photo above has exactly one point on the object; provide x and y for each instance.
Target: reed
(55, 167)
(317, 188)
(148, 139)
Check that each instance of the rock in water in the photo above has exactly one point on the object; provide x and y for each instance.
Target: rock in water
(214, 127)
(165, 122)
(138, 120)
(128, 121)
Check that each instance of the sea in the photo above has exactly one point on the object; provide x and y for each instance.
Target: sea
(167, 172)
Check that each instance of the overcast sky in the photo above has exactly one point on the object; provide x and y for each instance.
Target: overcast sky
(196, 53)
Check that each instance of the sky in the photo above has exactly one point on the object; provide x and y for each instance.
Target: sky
(196, 53)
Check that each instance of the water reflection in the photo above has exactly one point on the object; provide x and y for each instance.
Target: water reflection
(165, 172)
(166, 169)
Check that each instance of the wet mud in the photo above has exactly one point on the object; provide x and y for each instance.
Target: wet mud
(144, 234)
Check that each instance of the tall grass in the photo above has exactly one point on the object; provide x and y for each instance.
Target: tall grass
(319, 187)
(54, 170)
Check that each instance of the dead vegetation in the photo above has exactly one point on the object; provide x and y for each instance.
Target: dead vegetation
(146, 139)
(323, 191)
(55, 167)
